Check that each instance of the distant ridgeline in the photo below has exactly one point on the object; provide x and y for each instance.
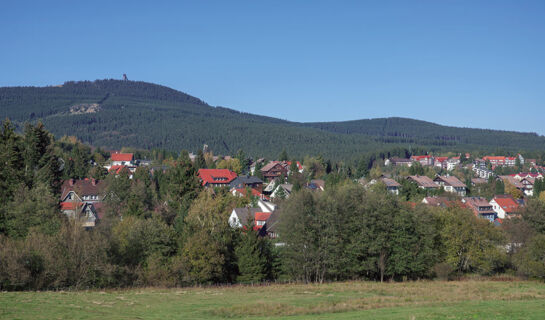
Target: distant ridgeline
(117, 113)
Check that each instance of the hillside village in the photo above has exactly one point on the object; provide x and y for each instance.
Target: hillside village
(421, 180)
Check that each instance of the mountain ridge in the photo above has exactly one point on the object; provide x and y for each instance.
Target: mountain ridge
(146, 115)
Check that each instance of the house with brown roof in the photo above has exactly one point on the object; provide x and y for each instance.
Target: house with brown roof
(451, 184)
(88, 190)
(391, 185)
(480, 207)
(424, 182)
(274, 169)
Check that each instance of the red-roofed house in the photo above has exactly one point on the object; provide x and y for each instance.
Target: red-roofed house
(216, 177)
(122, 159)
(505, 206)
(441, 162)
(85, 212)
(424, 160)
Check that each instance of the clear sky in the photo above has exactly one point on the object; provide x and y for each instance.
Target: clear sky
(464, 63)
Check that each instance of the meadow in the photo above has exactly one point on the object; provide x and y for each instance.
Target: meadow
(471, 299)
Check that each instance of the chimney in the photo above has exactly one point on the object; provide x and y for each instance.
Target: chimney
(71, 182)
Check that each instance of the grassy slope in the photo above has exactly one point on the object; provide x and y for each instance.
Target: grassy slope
(351, 300)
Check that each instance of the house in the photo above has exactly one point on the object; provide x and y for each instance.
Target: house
(443, 202)
(247, 181)
(424, 182)
(483, 173)
(426, 160)
(242, 192)
(451, 184)
(391, 185)
(480, 207)
(505, 206)
(478, 181)
(85, 190)
(216, 177)
(526, 186)
(274, 169)
(122, 159)
(441, 162)
(524, 175)
(452, 163)
(240, 217)
(119, 169)
(84, 212)
(398, 162)
(285, 189)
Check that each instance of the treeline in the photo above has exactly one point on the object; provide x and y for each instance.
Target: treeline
(163, 229)
(148, 116)
(350, 233)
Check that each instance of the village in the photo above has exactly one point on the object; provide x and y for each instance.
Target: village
(421, 179)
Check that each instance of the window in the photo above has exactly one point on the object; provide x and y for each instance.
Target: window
(259, 222)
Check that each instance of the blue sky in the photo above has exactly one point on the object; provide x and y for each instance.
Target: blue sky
(462, 63)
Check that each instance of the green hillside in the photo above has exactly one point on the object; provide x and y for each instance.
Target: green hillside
(115, 113)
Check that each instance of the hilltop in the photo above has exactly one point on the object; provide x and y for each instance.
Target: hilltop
(117, 113)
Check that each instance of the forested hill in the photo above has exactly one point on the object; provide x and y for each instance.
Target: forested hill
(116, 113)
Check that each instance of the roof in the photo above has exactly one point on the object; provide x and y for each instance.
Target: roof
(441, 159)
(255, 192)
(390, 182)
(451, 181)
(244, 213)
(242, 180)
(479, 205)
(441, 202)
(494, 158)
(121, 156)
(420, 157)
(85, 187)
(507, 203)
(424, 181)
(270, 166)
(479, 181)
(216, 176)
(117, 169)
(396, 159)
(262, 216)
(512, 181)
(71, 205)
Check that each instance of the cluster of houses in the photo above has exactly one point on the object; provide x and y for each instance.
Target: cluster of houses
(496, 210)
(84, 198)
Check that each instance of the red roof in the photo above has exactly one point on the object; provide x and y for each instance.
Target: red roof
(508, 204)
(117, 169)
(216, 176)
(262, 216)
(122, 156)
(255, 192)
(420, 157)
(441, 159)
(70, 205)
(492, 158)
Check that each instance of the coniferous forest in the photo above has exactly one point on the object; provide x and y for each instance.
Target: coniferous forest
(114, 114)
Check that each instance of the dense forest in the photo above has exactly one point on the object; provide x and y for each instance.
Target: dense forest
(163, 228)
(114, 114)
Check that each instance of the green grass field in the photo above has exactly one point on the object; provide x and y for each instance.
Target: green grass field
(346, 300)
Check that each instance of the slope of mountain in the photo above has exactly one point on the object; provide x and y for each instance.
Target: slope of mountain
(115, 113)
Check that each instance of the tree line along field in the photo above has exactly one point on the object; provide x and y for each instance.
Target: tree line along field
(475, 299)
